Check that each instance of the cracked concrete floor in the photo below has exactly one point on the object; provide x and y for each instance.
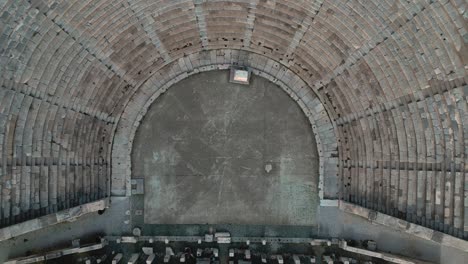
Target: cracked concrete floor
(215, 152)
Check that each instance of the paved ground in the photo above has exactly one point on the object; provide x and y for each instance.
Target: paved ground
(331, 223)
(215, 152)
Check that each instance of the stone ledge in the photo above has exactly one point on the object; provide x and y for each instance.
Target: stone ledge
(68, 215)
(381, 255)
(404, 226)
(57, 253)
(329, 203)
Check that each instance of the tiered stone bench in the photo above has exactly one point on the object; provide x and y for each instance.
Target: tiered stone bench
(386, 79)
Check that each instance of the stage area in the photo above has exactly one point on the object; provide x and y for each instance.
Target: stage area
(215, 152)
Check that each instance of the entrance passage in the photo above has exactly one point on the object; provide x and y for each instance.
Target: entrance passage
(220, 153)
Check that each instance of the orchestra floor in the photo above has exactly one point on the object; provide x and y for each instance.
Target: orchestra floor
(215, 152)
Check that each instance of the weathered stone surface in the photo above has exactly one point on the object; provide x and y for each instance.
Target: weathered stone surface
(404, 226)
(227, 153)
(70, 214)
(385, 85)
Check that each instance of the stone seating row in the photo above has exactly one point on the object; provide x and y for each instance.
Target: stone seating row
(391, 75)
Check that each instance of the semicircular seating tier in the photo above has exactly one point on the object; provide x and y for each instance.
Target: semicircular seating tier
(391, 75)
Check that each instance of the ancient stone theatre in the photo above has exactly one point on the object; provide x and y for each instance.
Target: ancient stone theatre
(233, 131)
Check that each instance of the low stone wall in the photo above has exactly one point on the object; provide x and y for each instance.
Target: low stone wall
(68, 215)
(404, 226)
(385, 256)
(57, 253)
